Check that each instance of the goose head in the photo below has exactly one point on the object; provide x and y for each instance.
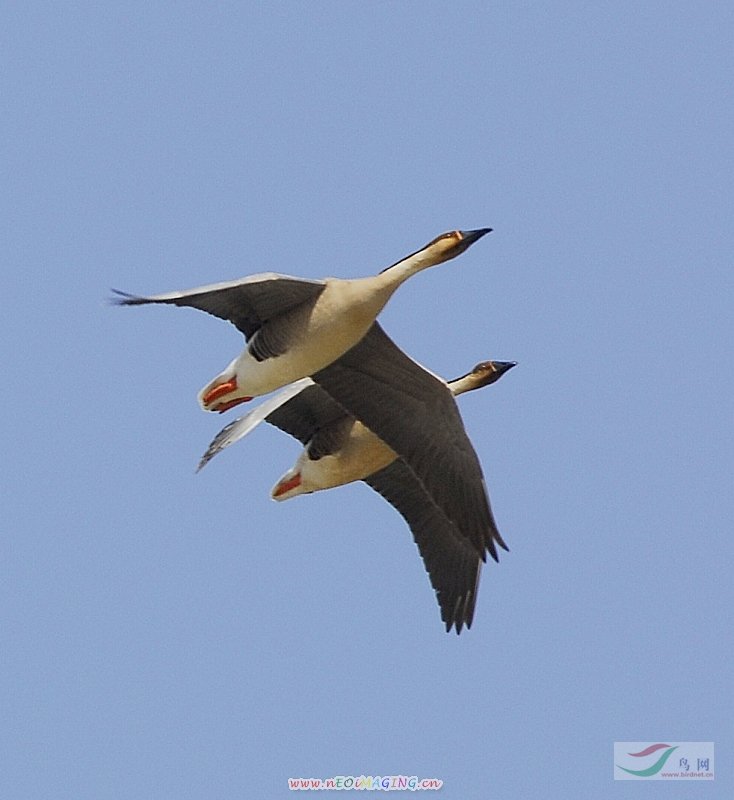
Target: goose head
(452, 244)
(483, 374)
(442, 248)
(488, 372)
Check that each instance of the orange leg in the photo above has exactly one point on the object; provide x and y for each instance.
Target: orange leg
(286, 486)
(227, 404)
(220, 389)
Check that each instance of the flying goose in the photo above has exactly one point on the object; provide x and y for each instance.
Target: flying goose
(295, 326)
(340, 449)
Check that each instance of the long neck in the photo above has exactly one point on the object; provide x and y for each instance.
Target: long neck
(393, 276)
(464, 384)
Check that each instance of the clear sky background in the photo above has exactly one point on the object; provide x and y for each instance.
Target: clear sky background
(173, 635)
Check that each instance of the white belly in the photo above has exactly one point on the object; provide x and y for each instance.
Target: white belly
(340, 318)
(362, 454)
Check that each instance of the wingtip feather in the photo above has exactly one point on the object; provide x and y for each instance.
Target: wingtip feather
(123, 298)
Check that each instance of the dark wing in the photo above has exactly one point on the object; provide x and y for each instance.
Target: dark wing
(247, 303)
(453, 565)
(416, 415)
(306, 413)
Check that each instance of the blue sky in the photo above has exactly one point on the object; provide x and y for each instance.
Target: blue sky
(172, 635)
